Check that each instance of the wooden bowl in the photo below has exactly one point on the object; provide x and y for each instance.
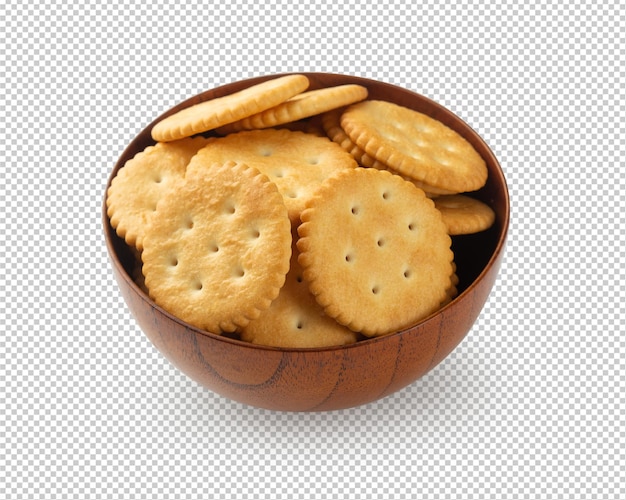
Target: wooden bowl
(336, 377)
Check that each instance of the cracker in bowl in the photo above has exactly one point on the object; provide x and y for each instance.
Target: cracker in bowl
(463, 214)
(304, 105)
(331, 124)
(375, 251)
(415, 145)
(217, 249)
(209, 115)
(142, 181)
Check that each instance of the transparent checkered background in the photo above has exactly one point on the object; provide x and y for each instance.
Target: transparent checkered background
(530, 405)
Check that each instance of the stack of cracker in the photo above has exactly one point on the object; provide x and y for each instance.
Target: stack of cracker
(299, 218)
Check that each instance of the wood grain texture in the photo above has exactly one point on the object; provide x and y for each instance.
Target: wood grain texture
(337, 377)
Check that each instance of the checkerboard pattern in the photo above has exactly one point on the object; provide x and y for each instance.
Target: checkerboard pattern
(531, 405)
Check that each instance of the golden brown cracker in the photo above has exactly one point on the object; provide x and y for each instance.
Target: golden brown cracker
(463, 214)
(209, 115)
(295, 319)
(304, 105)
(415, 145)
(295, 161)
(375, 251)
(142, 181)
(217, 249)
(331, 123)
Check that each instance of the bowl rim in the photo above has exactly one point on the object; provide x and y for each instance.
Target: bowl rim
(496, 254)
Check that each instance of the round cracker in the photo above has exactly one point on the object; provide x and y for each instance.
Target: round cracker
(415, 145)
(375, 251)
(217, 250)
(295, 161)
(303, 105)
(142, 181)
(331, 123)
(295, 319)
(465, 215)
(209, 115)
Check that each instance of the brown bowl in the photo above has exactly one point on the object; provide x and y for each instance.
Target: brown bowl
(335, 377)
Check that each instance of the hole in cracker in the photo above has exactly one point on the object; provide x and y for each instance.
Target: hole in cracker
(173, 261)
(256, 233)
(291, 194)
(407, 273)
(189, 224)
(380, 242)
(386, 195)
(197, 285)
(375, 289)
(158, 179)
(355, 210)
(265, 152)
(229, 208)
(239, 272)
(279, 174)
(214, 248)
(313, 161)
(412, 226)
(349, 257)
(299, 325)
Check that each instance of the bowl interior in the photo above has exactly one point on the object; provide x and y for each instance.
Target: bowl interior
(473, 253)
